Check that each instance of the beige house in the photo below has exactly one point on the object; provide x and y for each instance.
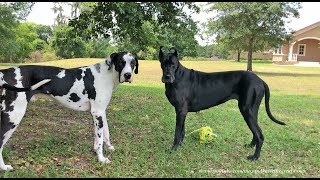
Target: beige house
(304, 46)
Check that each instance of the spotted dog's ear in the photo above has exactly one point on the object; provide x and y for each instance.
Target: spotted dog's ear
(160, 54)
(113, 60)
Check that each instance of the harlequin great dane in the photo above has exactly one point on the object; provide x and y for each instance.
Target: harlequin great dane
(191, 91)
(83, 89)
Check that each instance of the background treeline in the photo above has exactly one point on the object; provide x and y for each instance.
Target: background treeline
(91, 31)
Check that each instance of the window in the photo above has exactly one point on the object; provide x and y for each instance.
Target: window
(301, 49)
(278, 50)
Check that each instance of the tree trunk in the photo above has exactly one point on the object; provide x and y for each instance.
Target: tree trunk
(250, 49)
(239, 54)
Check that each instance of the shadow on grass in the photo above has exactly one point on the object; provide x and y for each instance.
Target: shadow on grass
(244, 61)
(285, 74)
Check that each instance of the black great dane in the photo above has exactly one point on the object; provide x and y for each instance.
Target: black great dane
(191, 91)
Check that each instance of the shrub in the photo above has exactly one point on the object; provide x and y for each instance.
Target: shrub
(50, 56)
(35, 56)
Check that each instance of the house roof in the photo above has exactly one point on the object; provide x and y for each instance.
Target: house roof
(305, 29)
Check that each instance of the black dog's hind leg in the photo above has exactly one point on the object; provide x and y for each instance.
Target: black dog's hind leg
(250, 115)
(252, 143)
(256, 131)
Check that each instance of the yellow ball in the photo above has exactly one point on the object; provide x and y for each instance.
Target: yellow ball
(206, 135)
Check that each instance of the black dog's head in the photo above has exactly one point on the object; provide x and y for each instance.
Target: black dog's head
(169, 65)
(124, 63)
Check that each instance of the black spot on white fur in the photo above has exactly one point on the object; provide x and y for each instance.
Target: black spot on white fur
(74, 97)
(61, 86)
(8, 106)
(97, 66)
(9, 77)
(6, 125)
(88, 84)
(99, 118)
(108, 64)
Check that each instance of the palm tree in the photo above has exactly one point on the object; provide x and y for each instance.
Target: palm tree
(75, 9)
(58, 9)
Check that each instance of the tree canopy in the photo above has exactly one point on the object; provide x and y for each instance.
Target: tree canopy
(257, 25)
(12, 38)
(126, 19)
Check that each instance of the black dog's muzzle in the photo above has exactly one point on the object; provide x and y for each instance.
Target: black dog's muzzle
(167, 79)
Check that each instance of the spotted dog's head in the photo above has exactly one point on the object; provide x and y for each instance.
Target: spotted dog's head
(169, 65)
(124, 63)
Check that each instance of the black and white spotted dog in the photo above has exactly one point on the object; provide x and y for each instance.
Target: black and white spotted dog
(83, 89)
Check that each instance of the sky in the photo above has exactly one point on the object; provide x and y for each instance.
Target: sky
(309, 13)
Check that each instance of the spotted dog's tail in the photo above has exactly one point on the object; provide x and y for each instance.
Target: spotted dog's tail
(36, 86)
(267, 97)
(33, 87)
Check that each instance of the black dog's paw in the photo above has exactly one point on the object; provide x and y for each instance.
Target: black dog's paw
(249, 145)
(171, 149)
(168, 150)
(252, 158)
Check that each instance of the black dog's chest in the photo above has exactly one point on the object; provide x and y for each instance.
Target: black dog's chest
(178, 95)
(171, 96)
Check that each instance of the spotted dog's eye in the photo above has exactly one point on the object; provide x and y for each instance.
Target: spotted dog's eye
(123, 63)
(132, 63)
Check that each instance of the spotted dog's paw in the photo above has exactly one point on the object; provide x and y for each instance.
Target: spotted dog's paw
(104, 160)
(6, 167)
(111, 148)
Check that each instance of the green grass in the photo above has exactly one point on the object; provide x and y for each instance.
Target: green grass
(53, 141)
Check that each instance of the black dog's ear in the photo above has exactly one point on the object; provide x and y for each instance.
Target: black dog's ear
(160, 54)
(113, 60)
(137, 65)
(175, 51)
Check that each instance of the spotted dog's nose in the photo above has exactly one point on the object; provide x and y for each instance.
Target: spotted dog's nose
(127, 75)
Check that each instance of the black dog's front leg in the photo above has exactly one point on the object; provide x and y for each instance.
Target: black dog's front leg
(180, 128)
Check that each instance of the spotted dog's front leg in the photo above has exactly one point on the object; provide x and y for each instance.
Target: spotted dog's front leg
(98, 129)
(106, 135)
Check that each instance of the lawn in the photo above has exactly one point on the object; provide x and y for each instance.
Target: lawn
(53, 141)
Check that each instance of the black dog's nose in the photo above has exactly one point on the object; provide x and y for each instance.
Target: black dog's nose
(127, 75)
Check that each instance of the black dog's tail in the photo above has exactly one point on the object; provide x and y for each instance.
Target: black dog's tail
(267, 97)
(13, 88)
(35, 86)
